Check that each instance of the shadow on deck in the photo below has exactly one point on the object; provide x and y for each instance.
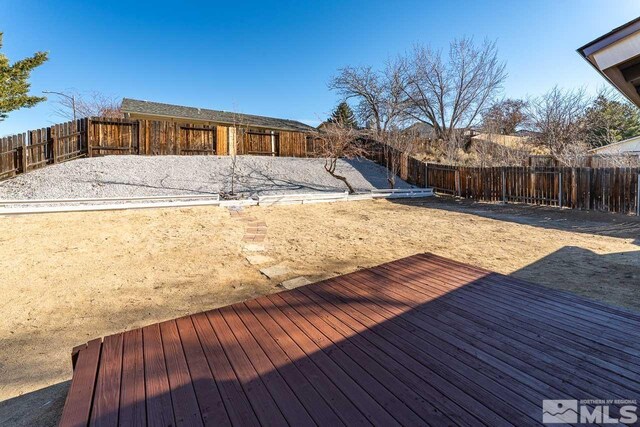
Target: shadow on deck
(420, 341)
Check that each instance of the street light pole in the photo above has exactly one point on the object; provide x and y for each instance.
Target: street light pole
(71, 97)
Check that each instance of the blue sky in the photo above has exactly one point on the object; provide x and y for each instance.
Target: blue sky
(275, 58)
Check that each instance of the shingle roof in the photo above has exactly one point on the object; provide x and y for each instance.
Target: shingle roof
(223, 117)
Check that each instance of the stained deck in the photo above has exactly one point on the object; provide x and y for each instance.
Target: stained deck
(418, 341)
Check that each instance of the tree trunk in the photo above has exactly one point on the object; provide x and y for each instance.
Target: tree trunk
(330, 167)
(343, 179)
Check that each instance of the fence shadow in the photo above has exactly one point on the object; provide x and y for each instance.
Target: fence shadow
(417, 346)
(575, 221)
(621, 270)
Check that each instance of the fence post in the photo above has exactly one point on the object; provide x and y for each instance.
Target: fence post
(426, 175)
(638, 197)
(559, 189)
(54, 148)
(574, 188)
(457, 182)
(23, 157)
(504, 186)
(89, 137)
(177, 136)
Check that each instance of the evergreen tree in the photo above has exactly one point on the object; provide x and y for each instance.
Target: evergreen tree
(610, 120)
(14, 85)
(344, 115)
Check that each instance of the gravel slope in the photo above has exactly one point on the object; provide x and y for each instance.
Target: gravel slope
(128, 176)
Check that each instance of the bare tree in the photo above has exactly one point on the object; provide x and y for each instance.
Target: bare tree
(381, 105)
(495, 144)
(88, 105)
(450, 94)
(337, 141)
(380, 94)
(558, 118)
(236, 134)
(505, 116)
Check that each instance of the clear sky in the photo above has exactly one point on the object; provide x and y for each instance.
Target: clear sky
(275, 58)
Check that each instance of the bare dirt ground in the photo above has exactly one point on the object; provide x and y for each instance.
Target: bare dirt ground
(68, 278)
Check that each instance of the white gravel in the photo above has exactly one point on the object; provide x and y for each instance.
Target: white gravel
(129, 176)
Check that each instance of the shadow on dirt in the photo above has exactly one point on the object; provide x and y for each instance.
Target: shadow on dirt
(38, 408)
(575, 221)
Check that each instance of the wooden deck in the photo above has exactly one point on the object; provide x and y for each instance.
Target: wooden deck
(418, 341)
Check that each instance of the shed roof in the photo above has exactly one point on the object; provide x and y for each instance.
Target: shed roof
(224, 117)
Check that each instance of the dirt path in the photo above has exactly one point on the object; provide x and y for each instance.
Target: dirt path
(68, 278)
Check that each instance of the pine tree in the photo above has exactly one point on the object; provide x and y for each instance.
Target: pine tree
(610, 119)
(14, 85)
(343, 114)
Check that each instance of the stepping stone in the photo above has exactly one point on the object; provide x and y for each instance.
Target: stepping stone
(258, 259)
(275, 271)
(256, 230)
(252, 247)
(296, 282)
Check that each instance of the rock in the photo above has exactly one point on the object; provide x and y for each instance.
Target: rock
(275, 271)
(258, 259)
(133, 176)
(296, 282)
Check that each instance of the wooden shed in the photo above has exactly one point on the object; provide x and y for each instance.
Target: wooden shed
(220, 130)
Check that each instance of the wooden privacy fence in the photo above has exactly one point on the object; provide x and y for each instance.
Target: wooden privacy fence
(602, 189)
(408, 168)
(99, 136)
(109, 136)
(36, 148)
(157, 137)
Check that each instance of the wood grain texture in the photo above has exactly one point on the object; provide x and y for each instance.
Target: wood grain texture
(418, 341)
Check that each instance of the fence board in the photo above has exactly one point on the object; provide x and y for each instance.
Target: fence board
(603, 189)
(612, 189)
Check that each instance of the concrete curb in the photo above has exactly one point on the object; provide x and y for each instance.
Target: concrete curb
(287, 199)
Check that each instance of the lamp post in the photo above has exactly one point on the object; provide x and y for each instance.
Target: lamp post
(71, 97)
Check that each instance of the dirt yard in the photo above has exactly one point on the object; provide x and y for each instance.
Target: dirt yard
(68, 278)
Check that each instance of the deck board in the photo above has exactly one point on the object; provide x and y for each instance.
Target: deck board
(157, 389)
(204, 384)
(183, 396)
(132, 411)
(106, 401)
(77, 407)
(418, 341)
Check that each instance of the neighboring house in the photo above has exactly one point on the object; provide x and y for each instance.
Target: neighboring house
(422, 130)
(257, 134)
(629, 146)
(616, 55)
(526, 133)
(518, 142)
